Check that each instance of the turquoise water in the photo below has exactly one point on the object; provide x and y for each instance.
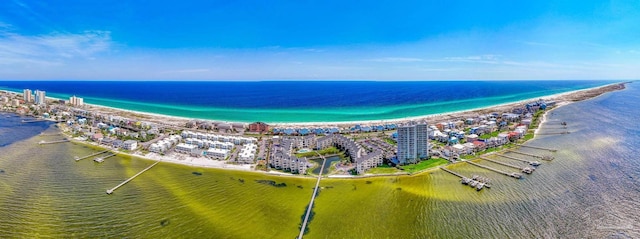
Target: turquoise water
(302, 101)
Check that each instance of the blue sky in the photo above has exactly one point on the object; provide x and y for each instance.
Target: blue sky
(319, 40)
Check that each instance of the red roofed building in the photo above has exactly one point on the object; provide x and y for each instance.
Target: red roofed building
(258, 127)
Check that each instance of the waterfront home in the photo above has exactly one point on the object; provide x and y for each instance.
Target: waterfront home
(471, 138)
(130, 144)
(247, 153)
(117, 143)
(97, 137)
(106, 141)
(503, 138)
(215, 153)
(185, 148)
(371, 160)
(479, 145)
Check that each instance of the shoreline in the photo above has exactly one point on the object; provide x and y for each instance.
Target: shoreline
(180, 121)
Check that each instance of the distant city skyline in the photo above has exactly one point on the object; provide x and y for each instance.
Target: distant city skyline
(313, 40)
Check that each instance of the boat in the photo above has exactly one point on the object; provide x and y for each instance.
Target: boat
(465, 180)
(534, 163)
(99, 160)
(527, 170)
(480, 186)
(473, 183)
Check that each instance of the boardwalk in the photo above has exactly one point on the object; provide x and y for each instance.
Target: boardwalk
(514, 175)
(313, 197)
(90, 155)
(536, 147)
(53, 142)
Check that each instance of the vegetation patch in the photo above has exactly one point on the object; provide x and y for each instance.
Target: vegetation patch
(412, 168)
(197, 173)
(272, 183)
(327, 151)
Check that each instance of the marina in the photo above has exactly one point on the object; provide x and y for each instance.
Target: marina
(475, 181)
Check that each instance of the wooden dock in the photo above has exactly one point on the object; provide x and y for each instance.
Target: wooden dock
(90, 155)
(110, 191)
(536, 147)
(313, 197)
(532, 163)
(545, 157)
(53, 134)
(527, 170)
(33, 121)
(554, 133)
(53, 142)
(514, 175)
(101, 159)
(452, 172)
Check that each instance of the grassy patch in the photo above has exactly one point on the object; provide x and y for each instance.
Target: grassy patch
(383, 169)
(390, 141)
(412, 168)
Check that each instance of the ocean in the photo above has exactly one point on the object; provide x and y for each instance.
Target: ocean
(590, 190)
(300, 101)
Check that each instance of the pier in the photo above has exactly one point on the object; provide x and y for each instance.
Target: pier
(101, 159)
(452, 172)
(554, 133)
(313, 197)
(514, 175)
(110, 191)
(53, 142)
(526, 170)
(536, 147)
(53, 134)
(546, 157)
(90, 155)
(532, 163)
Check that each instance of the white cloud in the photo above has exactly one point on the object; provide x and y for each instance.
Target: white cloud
(396, 59)
(53, 48)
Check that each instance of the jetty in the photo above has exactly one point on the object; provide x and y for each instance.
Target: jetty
(545, 157)
(102, 158)
(53, 134)
(90, 155)
(452, 172)
(33, 121)
(526, 170)
(313, 197)
(53, 142)
(536, 147)
(476, 181)
(110, 191)
(532, 163)
(513, 175)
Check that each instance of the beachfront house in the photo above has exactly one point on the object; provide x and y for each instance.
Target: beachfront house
(214, 153)
(130, 144)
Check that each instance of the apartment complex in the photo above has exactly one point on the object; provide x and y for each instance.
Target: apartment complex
(413, 144)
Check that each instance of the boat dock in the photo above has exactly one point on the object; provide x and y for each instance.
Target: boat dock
(90, 155)
(514, 175)
(526, 170)
(54, 134)
(554, 133)
(452, 172)
(110, 191)
(545, 157)
(536, 147)
(53, 142)
(313, 197)
(101, 159)
(532, 163)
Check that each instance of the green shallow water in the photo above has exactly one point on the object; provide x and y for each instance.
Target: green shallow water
(591, 190)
